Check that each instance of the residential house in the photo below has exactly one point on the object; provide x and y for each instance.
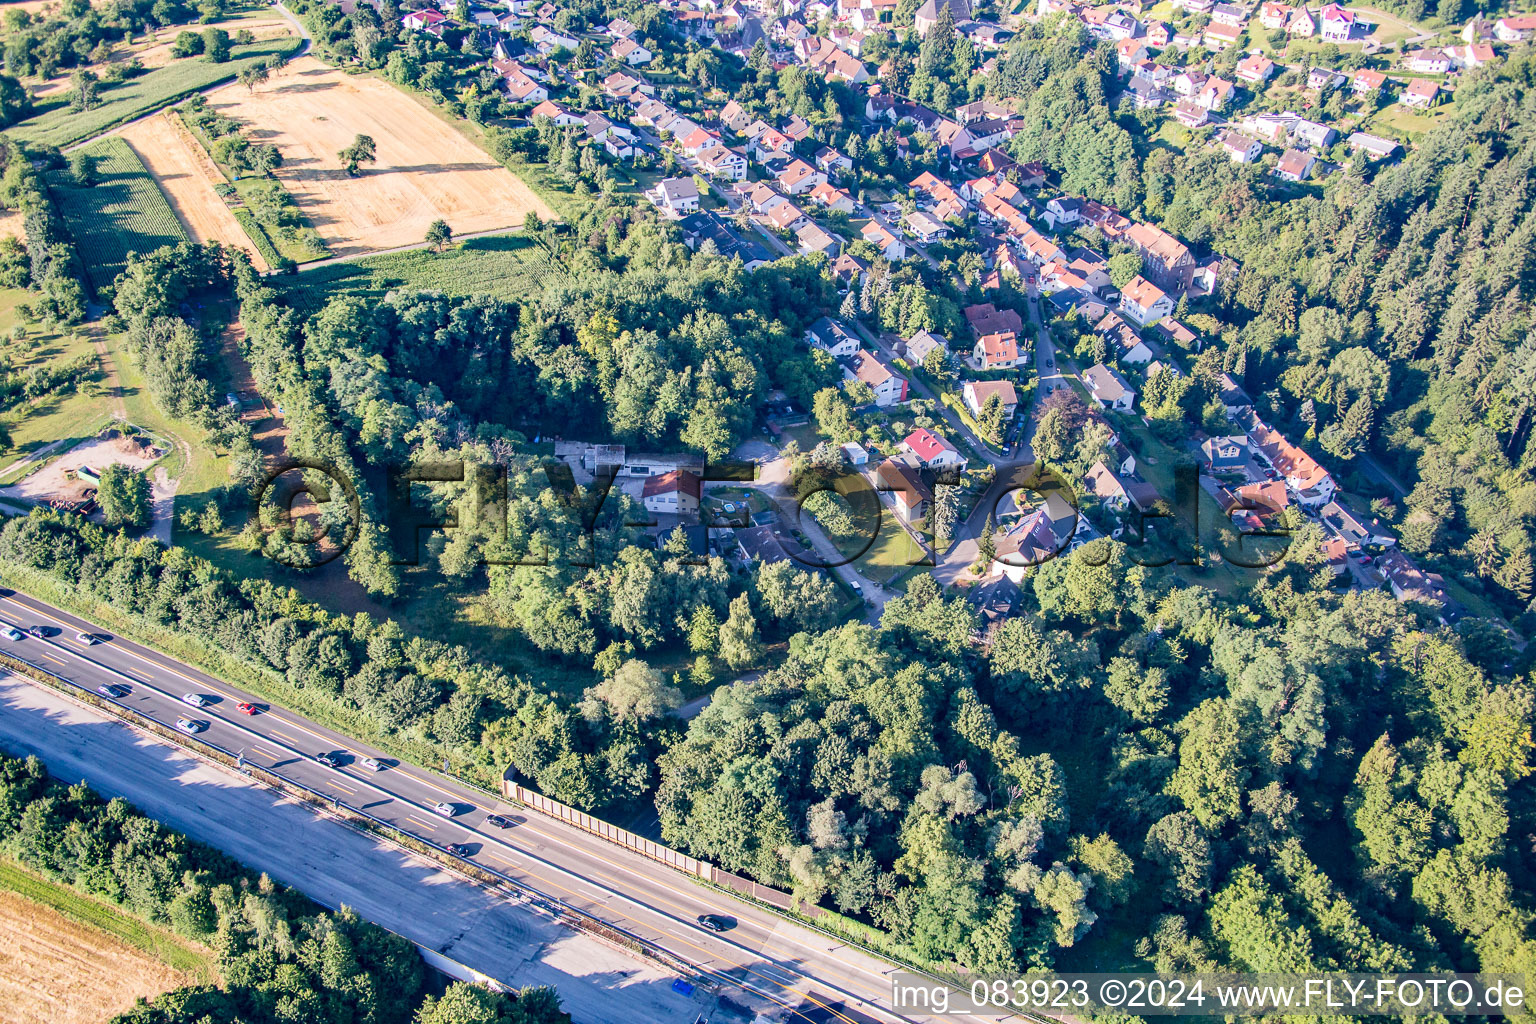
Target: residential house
(1218, 37)
(1144, 301)
(889, 386)
(1214, 93)
(832, 198)
(1233, 398)
(557, 112)
(676, 197)
(981, 110)
(425, 21)
(723, 163)
(832, 161)
(1295, 165)
(1336, 24)
(618, 141)
(1515, 28)
(1123, 340)
(1040, 535)
(1190, 114)
(1374, 147)
(833, 337)
(707, 225)
(1313, 134)
(523, 89)
(1323, 79)
(1175, 333)
(1366, 81)
(922, 228)
(1303, 23)
(1159, 34)
(1063, 210)
(772, 144)
(1420, 93)
(1255, 69)
(786, 217)
(760, 544)
(928, 14)
(933, 451)
(986, 318)
(547, 40)
(911, 494)
(1274, 15)
(1473, 55)
(1166, 261)
(1355, 530)
(1227, 454)
(1229, 14)
(1309, 482)
(734, 117)
(1429, 62)
(676, 492)
(692, 142)
(1241, 149)
(1410, 583)
(883, 239)
(631, 53)
(1189, 82)
(1108, 388)
(1130, 52)
(997, 351)
(812, 238)
(921, 344)
(630, 88)
(846, 268)
(977, 393)
(619, 28)
(1102, 483)
(800, 177)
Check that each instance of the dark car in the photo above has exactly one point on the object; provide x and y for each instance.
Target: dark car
(113, 690)
(714, 922)
(458, 849)
(498, 821)
(328, 759)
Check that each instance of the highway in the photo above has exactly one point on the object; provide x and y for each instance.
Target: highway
(762, 961)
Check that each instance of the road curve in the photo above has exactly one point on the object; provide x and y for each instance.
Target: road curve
(765, 961)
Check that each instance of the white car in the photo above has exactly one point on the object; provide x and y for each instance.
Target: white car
(87, 639)
(13, 634)
(197, 700)
(444, 808)
(190, 726)
(370, 763)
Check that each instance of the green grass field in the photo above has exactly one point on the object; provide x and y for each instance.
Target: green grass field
(57, 125)
(124, 212)
(506, 266)
(77, 413)
(160, 943)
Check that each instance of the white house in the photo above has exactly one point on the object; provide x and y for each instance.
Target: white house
(676, 492)
(676, 197)
(1241, 149)
(1108, 388)
(631, 53)
(932, 450)
(1145, 302)
(977, 392)
(833, 337)
(1337, 24)
(889, 386)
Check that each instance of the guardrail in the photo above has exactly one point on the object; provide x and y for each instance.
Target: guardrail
(515, 889)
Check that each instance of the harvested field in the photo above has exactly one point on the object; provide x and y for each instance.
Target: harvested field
(187, 175)
(56, 970)
(425, 170)
(12, 226)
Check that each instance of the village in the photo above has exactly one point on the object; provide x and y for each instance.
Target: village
(756, 191)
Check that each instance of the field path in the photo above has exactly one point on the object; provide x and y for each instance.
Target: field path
(187, 176)
(425, 169)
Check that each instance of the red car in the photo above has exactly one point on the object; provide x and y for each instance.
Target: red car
(247, 708)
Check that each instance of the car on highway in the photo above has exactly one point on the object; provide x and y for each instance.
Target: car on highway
(445, 809)
(458, 849)
(191, 726)
(245, 707)
(38, 631)
(714, 923)
(498, 820)
(13, 634)
(87, 639)
(329, 759)
(197, 700)
(373, 764)
(113, 690)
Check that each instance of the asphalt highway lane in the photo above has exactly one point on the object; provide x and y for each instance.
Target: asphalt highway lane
(771, 963)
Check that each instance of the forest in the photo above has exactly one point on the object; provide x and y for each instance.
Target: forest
(280, 958)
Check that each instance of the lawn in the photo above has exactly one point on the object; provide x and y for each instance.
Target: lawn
(506, 266)
(76, 413)
(58, 125)
(1404, 123)
(893, 553)
(124, 212)
(160, 943)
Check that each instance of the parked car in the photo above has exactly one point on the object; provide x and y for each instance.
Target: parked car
(191, 726)
(197, 700)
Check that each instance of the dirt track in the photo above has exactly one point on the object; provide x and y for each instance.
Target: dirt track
(54, 970)
(187, 175)
(425, 169)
